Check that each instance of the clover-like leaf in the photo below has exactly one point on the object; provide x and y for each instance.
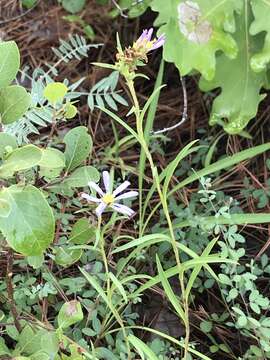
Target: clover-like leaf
(65, 256)
(51, 163)
(82, 232)
(73, 6)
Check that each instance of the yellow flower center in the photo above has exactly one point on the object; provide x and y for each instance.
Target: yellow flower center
(108, 199)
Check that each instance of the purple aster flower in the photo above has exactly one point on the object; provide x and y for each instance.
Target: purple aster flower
(109, 198)
(159, 42)
(145, 40)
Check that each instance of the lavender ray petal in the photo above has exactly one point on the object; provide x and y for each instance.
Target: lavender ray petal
(121, 188)
(106, 180)
(95, 186)
(127, 195)
(143, 36)
(122, 209)
(100, 209)
(90, 198)
(149, 34)
(159, 42)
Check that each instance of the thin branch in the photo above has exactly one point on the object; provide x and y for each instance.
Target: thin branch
(10, 257)
(21, 15)
(184, 114)
(119, 8)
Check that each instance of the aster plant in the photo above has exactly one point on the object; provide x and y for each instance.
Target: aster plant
(110, 199)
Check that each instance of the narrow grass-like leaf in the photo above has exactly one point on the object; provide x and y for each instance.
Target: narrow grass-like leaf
(170, 169)
(234, 219)
(120, 121)
(215, 258)
(119, 286)
(187, 150)
(101, 293)
(141, 347)
(223, 164)
(169, 292)
(197, 269)
(211, 150)
(172, 339)
(217, 166)
(140, 241)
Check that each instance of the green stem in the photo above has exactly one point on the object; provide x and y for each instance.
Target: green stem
(139, 125)
(101, 243)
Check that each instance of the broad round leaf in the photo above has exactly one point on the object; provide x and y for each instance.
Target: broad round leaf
(29, 228)
(6, 141)
(20, 159)
(9, 62)
(35, 261)
(81, 176)
(73, 6)
(66, 257)
(82, 232)
(70, 111)
(52, 158)
(51, 163)
(55, 92)
(69, 314)
(4, 208)
(78, 147)
(14, 102)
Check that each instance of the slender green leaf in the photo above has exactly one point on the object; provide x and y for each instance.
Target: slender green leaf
(169, 292)
(141, 347)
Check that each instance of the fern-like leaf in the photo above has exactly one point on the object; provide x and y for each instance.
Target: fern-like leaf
(104, 93)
